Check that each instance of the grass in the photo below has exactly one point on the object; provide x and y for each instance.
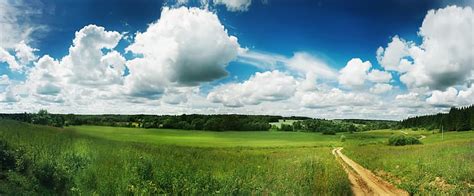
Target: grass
(439, 166)
(210, 139)
(115, 161)
(286, 122)
(99, 160)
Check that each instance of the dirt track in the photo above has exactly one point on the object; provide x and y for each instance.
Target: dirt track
(363, 181)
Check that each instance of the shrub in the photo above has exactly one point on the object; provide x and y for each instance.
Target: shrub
(285, 127)
(402, 140)
(329, 132)
(343, 138)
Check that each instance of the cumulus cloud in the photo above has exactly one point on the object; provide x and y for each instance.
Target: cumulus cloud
(380, 88)
(86, 61)
(378, 76)
(391, 57)
(46, 77)
(186, 46)
(6, 57)
(234, 5)
(4, 80)
(266, 86)
(335, 97)
(443, 59)
(306, 63)
(354, 73)
(451, 97)
(24, 53)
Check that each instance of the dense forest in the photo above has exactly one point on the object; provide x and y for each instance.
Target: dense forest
(458, 119)
(188, 122)
(230, 122)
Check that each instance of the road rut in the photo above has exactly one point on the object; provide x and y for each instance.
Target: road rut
(363, 181)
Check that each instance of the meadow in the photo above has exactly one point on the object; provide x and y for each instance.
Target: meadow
(55, 160)
(111, 160)
(441, 165)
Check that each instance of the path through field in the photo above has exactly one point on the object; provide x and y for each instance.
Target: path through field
(363, 181)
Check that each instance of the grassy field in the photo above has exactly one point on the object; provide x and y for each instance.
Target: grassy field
(210, 139)
(438, 166)
(111, 160)
(98, 160)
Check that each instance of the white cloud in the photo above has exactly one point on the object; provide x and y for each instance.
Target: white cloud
(378, 76)
(87, 63)
(380, 88)
(15, 26)
(266, 86)
(234, 5)
(354, 74)
(184, 47)
(24, 53)
(47, 77)
(260, 59)
(6, 57)
(445, 56)
(305, 63)
(334, 98)
(4, 80)
(451, 97)
(390, 58)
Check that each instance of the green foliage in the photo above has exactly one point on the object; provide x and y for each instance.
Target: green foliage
(402, 140)
(343, 138)
(285, 127)
(68, 162)
(458, 119)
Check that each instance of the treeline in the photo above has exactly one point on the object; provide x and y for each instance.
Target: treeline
(458, 119)
(188, 122)
(230, 122)
(334, 126)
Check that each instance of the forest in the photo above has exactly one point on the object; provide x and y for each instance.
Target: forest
(221, 122)
(458, 119)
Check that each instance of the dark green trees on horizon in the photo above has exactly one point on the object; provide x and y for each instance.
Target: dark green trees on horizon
(458, 119)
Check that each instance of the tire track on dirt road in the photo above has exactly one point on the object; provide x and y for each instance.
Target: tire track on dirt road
(363, 181)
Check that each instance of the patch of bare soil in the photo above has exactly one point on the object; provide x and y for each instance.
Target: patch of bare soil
(363, 181)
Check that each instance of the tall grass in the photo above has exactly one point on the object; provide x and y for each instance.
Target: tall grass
(437, 167)
(68, 162)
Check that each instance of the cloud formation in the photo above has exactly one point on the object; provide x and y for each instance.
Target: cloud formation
(186, 46)
(445, 56)
(266, 86)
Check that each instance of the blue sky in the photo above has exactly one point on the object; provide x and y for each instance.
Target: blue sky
(326, 34)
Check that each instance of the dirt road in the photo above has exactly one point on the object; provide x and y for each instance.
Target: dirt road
(363, 181)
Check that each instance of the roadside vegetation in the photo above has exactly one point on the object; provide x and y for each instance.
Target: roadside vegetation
(443, 165)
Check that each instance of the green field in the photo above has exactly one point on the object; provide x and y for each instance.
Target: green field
(210, 139)
(441, 165)
(99, 160)
(111, 160)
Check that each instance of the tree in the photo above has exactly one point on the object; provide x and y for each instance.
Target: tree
(352, 128)
(42, 118)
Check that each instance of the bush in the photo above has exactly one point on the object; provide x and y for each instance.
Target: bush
(343, 138)
(402, 140)
(285, 127)
(329, 132)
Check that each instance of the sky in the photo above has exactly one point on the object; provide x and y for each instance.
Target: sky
(324, 59)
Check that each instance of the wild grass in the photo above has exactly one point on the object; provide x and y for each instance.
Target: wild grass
(439, 166)
(209, 138)
(98, 160)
